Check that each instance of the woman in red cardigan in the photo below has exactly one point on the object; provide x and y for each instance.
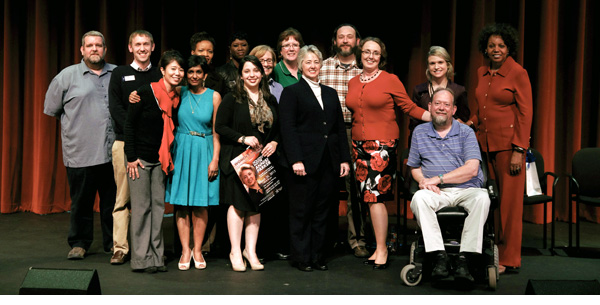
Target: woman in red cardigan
(503, 120)
(372, 98)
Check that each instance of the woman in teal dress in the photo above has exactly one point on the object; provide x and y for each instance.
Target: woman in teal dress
(194, 184)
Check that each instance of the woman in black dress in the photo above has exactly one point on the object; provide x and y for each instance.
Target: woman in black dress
(246, 117)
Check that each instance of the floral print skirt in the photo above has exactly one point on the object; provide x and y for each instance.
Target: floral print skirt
(375, 164)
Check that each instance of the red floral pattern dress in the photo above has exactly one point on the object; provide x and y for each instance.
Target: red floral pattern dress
(375, 169)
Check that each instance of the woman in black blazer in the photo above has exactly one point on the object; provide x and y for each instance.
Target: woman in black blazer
(247, 116)
(316, 153)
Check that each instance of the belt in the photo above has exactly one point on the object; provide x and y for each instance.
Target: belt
(197, 134)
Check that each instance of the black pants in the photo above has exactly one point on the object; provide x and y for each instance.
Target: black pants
(84, 183)
(311, 198)
(274, 234)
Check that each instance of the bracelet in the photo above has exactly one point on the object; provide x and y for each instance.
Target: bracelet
(441, 179)
(518, 149)
(243, 139)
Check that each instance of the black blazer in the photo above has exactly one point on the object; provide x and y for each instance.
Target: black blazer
(306, 128)
(233, 121)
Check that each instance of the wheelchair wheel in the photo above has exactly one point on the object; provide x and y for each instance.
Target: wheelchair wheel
(492, 276)
(408, 276)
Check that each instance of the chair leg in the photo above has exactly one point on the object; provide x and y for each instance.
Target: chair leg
(570, 205)
(577, 223)
(553, 236)
(545, 222)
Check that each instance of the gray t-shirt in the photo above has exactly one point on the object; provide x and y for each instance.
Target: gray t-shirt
(79, 98)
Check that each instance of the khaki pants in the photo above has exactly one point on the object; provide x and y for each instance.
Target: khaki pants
(121, 212)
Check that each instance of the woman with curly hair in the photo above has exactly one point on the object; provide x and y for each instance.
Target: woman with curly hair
(372, 97)
(503, 123)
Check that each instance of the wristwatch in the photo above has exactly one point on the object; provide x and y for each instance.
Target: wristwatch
(441, 178)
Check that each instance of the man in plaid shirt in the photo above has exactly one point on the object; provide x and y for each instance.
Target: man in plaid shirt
(336, 72)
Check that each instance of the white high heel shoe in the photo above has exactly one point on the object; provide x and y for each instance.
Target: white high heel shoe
(254, 267)
(197, 264)
(185, 266)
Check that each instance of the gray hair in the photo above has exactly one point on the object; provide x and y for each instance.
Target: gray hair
(93, 33)
(305, 50)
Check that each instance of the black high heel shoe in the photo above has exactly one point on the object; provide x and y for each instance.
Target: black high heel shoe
(380, 266)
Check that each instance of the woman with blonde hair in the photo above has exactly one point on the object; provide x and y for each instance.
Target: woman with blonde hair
(440, 74)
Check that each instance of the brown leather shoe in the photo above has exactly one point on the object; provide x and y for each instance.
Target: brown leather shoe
(76, 253)
(118, 258)
(361, 251)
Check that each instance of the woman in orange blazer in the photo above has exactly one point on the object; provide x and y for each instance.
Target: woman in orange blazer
(503, 123)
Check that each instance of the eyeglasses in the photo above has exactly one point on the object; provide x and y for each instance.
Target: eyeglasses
(290, 45)
(369, 53)
(266, 61)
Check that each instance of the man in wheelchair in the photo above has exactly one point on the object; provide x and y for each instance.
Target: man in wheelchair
(445, 160)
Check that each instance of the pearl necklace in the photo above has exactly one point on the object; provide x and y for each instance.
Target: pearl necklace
(367, 79)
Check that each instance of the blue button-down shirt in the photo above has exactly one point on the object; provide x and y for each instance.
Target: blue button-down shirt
(436, 155)
(79, 97)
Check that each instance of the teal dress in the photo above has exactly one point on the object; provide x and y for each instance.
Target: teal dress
(192, 152)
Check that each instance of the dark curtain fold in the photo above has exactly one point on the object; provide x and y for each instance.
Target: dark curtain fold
(41, 38)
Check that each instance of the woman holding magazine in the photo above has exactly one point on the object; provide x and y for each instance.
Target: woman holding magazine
(247, 117)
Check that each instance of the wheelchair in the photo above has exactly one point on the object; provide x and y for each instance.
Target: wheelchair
(483, 267)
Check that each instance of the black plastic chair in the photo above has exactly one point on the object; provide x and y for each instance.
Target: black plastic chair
(544, 197)
(584, 186)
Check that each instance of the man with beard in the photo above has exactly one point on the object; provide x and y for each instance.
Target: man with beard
(78, 96)
(124, 80)
(445, 160)
(336, 71)
(238, 48)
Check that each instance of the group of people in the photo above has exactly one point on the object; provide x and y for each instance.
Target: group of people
(176, 127)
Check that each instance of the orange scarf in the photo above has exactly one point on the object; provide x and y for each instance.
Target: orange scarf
(166, 102)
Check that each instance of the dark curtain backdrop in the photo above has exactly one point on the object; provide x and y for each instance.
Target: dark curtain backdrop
(40, 38)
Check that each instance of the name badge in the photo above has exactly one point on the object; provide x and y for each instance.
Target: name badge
(129, 78)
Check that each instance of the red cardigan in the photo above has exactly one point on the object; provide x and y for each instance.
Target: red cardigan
(372, 106)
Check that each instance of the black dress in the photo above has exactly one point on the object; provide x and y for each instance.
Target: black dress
(232, 122)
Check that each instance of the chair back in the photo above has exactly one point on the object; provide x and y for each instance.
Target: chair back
(586, 171)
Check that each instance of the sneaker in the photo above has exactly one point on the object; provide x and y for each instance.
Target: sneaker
(462, 270)
(361, 251)
(76, 253)
(440, 269)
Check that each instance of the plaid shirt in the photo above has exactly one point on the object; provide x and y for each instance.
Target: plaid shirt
(334, 75)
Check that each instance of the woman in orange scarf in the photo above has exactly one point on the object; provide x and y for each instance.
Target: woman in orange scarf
(148, 137)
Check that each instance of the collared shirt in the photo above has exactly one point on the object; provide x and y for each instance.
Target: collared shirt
(316, 89)
(336, 76)
(137, 67)
(436, 155)
(79, 97)
(275, 88)
(282, 75)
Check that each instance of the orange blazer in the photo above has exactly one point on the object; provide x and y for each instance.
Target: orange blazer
(504, 107)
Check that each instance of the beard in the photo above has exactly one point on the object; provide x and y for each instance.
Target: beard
(95, 59)
(341, 52)
(439, 120)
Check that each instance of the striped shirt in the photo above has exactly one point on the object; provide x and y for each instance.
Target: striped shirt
(336, 76)
(436, 155)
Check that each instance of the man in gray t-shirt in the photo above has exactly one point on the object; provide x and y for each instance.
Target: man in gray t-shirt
(78, 97)
(445, 160)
